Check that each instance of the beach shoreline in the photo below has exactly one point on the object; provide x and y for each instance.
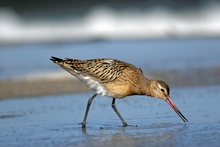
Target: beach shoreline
(19, 88)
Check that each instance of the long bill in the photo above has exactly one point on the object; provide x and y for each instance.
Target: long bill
(170, 102)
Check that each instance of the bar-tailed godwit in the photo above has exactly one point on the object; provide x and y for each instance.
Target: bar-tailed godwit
(115, 79)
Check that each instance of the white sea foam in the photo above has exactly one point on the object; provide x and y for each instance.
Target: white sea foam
(105, 23)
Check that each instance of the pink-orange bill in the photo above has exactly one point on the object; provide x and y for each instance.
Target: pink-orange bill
(170, 102)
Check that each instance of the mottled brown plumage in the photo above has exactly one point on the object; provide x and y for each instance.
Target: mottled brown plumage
(115, 79)
(103, 70)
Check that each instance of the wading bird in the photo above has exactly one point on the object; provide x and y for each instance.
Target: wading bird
(115, 79)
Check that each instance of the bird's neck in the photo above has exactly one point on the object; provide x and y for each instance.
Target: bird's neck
(149, 88)
(143, 87)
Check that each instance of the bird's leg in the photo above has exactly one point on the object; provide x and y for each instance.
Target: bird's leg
(119, 115)
(87, 110)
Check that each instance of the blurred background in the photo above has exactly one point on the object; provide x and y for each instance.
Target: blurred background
(30, 21)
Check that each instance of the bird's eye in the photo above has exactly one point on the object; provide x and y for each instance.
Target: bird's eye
(162, 90)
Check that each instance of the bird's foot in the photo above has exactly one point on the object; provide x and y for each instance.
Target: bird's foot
(83, 124)
(126, 125)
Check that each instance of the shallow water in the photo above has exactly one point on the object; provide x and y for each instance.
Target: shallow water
(53, 120)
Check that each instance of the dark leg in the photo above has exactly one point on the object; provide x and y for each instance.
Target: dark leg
(87, 110)
(119, 115)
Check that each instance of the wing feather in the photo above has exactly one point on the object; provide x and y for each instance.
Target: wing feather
(104, 70)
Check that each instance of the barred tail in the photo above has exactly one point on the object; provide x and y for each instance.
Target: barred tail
(56, 60)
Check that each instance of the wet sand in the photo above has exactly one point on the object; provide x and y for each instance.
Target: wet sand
(27, 88)
(54, 120)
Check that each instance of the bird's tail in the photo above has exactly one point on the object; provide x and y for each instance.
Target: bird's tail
(65, 64)
(56, 60)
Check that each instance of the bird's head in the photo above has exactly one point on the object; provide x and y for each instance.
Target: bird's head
(159, 89)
